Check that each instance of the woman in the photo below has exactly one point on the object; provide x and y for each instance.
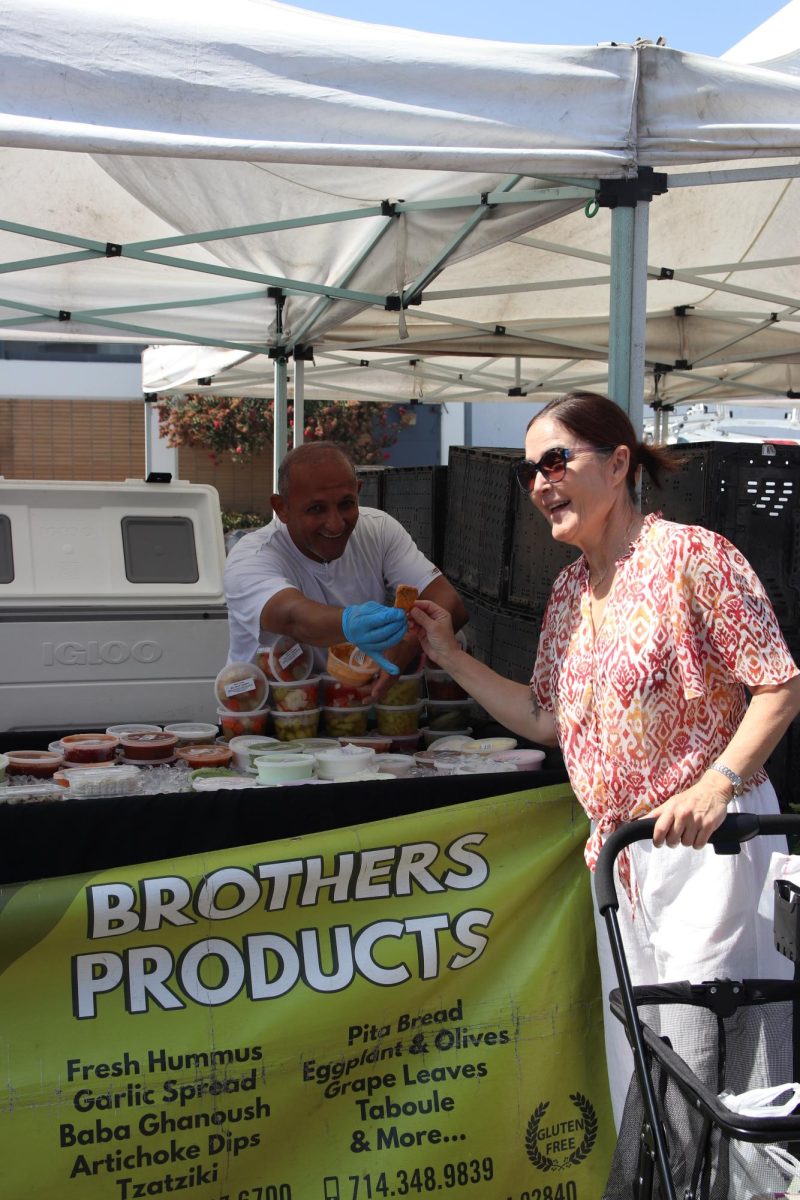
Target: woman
(647, 645)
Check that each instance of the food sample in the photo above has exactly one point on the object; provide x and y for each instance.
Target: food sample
(205, 756)
(405, 597)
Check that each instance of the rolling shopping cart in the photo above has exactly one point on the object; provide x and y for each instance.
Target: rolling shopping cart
(699, 1049)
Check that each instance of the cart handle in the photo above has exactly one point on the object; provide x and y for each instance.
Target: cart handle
(727, 839)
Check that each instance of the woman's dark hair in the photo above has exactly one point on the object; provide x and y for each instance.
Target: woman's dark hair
(602, 423)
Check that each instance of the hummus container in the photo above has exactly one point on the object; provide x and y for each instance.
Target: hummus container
(295, 697)
(41, 764)
(90, 781)
(348, 664)
(241, 687)
(286, 660)
(32, 793)
(193, 733)
(335, 694)
(442, 686)
(205, 756)
(289, 726)
(344, 761)
(379, 742)
(89, 747)
(241, 748)
(284, 768)
(147, 748)
(398, 720)
(404, 689)
(394, 764)
(237, 724)
(490, 745)
(341, 722)
(523, 760)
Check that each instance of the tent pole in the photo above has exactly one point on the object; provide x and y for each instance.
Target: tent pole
(626, 341)
(280, 422)
(159, 456)
(299, 401)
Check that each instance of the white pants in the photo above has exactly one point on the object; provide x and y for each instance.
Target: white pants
(696, 918)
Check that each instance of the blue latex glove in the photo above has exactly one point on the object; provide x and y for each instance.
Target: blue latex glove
(375, 627)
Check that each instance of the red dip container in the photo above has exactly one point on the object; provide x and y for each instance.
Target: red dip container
(89, 747)
(148, 747)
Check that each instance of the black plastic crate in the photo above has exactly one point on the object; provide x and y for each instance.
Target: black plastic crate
(514, 645)
(479, 630)
(480, 509)
(750, 493)
(536, 558)
(371, 480)
(417, 497)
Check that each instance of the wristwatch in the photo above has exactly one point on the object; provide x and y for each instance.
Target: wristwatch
(731, 776)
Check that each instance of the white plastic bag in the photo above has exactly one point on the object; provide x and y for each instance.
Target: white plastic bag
(762, 1102)
(758, 1169)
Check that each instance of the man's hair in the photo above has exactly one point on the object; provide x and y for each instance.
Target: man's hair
(305, 456)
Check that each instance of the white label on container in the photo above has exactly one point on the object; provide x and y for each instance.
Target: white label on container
(288, 658)
(241, 685)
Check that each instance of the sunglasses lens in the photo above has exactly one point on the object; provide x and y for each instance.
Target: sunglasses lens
(553, 465)
(525, 472)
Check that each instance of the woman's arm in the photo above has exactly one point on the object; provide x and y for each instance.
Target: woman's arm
(690, 817)
(509, 703)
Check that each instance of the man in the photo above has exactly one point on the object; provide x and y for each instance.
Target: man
(322, 562)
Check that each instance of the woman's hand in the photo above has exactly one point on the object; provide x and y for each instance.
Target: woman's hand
(689, 818)
(433, 627)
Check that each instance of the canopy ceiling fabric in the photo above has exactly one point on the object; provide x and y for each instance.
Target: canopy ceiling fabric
(451, 172)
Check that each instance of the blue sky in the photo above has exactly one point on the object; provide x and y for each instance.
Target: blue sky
(698, 25)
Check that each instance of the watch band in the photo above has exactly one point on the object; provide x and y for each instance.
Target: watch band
(731, 776)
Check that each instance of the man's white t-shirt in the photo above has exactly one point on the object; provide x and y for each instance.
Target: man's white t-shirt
(378, 556)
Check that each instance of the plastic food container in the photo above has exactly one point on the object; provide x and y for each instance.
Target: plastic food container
(241, 687)
(193, 733)
(404, 689)
(61, 777)
(228, 783)
(289, 726)
(147, 748)
(335, 694)
(344, 761)
(343, 721)
(430, 736)
(449, 715)
(133, 727)
(286, 660)
(241, 748)
(398, 720)
(295, 697)
(379, 742)
(3, 765)
(89, 747)
(116, 781)
(32, 793)
(442, 686)
(42, 764)
(237, 724)
(205, 756)
(523, 760)
(283, 768)
(395, 764)
(347, 664)
(406, 744)
(493, 746)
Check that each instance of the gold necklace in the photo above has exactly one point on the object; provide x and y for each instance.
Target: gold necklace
(596, 583)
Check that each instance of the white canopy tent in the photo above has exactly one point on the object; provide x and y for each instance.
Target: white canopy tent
(262, 183)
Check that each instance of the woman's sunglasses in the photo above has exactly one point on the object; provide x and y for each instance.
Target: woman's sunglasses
(552, 464)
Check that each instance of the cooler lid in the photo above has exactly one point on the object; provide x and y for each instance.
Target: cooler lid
(110, 543)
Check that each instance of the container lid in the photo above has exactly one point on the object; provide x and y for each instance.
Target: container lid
(297, 714)
(289, 661)
(215, 783)
(307, 681)
(398, 708)
(347, 665)
(243, 741)
(378, 741)
(241, 687)
(90, 741)
(41, 757)
(160, 740)
(450, 703)
(192, 729)
(199, 755)
(133, 727)
(491, 745)
(253, 712)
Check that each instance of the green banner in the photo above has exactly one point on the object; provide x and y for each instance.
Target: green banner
(400, 1008)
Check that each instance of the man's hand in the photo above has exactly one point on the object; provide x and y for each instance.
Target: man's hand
(374, 627)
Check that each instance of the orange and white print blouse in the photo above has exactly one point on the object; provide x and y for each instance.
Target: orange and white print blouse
(645, 706)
